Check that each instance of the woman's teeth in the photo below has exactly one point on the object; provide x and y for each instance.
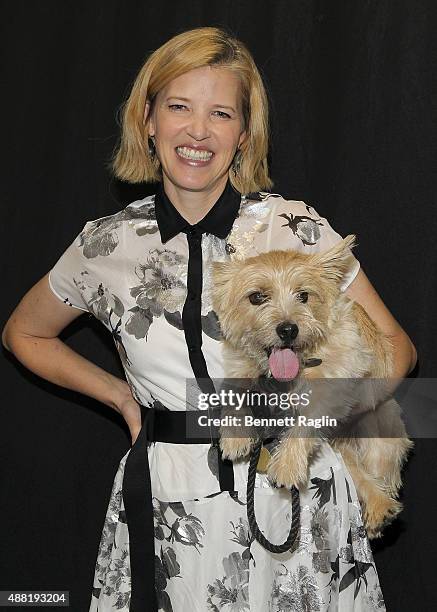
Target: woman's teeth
(193, 154)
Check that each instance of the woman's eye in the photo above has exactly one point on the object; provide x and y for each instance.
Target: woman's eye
(176, 106)
(302, 296)
(257, 298)
(223, 114)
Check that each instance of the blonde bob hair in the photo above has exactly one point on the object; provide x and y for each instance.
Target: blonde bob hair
(195, 48)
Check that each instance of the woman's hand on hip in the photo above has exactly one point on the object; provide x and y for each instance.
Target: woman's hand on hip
(130, 410)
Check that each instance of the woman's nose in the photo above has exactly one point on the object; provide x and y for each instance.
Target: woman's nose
(198, 127)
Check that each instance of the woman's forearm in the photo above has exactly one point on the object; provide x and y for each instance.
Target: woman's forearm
(362, 291)
(56, 362)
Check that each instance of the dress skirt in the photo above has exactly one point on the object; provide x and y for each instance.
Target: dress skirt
(206, 559)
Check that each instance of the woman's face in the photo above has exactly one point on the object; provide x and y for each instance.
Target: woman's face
(197, 123)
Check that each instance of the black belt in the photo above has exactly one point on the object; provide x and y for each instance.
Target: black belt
(157, 426)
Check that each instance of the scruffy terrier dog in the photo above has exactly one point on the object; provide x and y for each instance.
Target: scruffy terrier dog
(282, 311)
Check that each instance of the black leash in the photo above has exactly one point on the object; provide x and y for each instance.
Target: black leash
(270, 384)
(295, 509)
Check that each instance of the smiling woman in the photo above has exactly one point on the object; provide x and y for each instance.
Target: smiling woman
(209, 79)
(176, 534)
(197, 140)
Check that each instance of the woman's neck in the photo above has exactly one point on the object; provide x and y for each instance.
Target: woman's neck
(193, 205)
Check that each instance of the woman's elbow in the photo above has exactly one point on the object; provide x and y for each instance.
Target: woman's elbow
(413, 360)
(5, 338)
(405, 354)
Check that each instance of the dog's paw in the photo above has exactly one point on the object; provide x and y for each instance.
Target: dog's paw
(288, 467)
(283, 476)
(378, 513)
(234, 448)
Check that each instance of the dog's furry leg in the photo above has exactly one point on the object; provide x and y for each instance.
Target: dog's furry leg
(379, 508)
(241, 375)
(232, 444)
(289, 463)
(234, 447)
(383, 457)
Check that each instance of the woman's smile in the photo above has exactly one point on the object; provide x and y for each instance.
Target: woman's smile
(194, 156)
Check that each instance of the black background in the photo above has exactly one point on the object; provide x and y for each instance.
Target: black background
(351, 87)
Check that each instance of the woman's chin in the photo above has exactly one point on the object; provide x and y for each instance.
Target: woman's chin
(193, 181)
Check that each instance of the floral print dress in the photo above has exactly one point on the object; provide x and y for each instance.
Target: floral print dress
(120, 269)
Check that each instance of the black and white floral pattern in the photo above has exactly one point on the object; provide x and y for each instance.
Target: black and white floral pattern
(160, 291)
(332, 567)
(295, 590)
(206, 560)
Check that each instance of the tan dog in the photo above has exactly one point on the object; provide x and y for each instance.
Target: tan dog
(279, 311)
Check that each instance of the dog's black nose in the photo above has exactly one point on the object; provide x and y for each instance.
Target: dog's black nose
(287, 331)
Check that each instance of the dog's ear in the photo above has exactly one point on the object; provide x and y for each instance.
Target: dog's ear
(338, 260)
(223, 273)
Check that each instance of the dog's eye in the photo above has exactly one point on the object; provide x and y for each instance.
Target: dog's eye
(257, 298)
(302, 296)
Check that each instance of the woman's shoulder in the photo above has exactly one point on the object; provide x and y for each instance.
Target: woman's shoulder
(271, 202)
(283, 218)
(138, 209)
(103, 234)
(270, 221)
(275, 208)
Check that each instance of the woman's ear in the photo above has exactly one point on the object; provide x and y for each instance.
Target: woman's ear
(146, 116)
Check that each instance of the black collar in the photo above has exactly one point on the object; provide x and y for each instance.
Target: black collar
(218, 220)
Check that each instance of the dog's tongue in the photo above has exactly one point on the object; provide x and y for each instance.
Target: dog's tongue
(283, 363)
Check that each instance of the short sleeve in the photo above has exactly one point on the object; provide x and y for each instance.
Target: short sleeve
(65, 276)
(297, 225)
